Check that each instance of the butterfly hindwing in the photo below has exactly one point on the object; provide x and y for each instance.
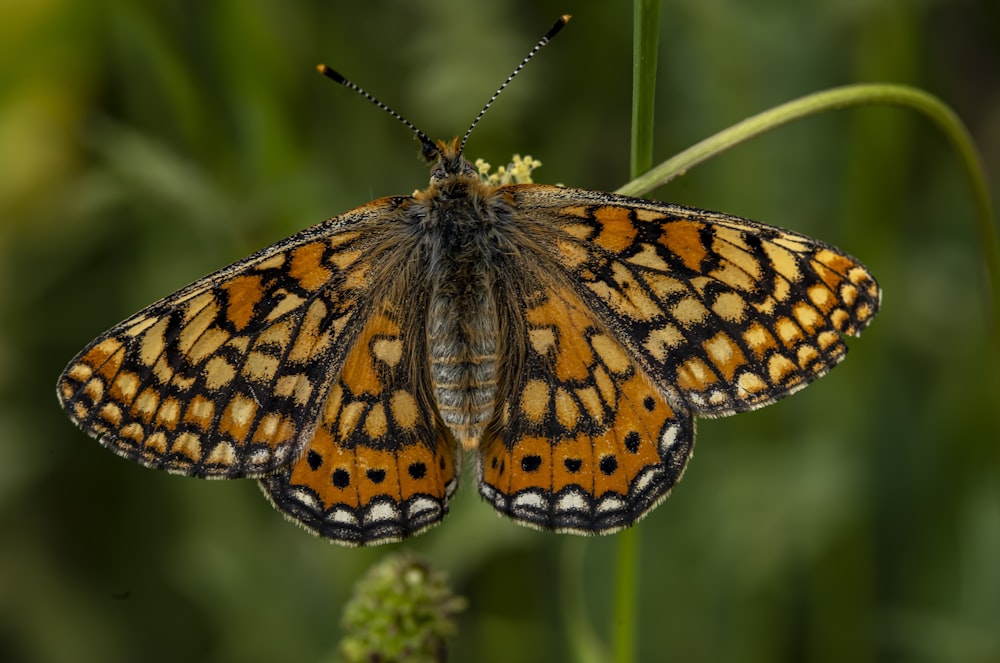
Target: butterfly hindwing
(380, 464)
(580, 440)
(224, 377)
(731, 314)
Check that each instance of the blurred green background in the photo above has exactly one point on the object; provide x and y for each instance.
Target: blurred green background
(144, 144)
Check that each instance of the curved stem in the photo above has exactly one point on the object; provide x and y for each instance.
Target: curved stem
(843, 97)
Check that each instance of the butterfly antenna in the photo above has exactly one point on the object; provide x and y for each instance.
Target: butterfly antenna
(428, 148)
(556, 27)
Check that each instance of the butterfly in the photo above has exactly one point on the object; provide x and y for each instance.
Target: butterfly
(565, 338)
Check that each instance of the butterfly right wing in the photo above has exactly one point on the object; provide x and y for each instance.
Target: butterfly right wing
(225, 377)
(641, 315)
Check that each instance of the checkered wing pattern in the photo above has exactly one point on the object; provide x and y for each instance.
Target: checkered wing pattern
(726, 315)
(226, 377)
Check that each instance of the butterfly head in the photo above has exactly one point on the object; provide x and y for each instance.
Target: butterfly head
(447, 160)
(453, 178)
(449, 165)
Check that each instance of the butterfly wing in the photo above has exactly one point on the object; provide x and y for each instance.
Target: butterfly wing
(634, 316)
(285, 366)
(580, 441)
(729, 314)
(380, 465)
(223, 377)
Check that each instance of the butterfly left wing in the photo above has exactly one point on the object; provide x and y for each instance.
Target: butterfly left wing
(728, 314)
(291, 366)
(380, 464)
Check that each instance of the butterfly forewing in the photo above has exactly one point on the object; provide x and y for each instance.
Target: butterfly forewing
(225, 377)
(728, 313)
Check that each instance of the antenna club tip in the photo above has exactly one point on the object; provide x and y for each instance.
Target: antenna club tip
(556, 27)
(330, 73)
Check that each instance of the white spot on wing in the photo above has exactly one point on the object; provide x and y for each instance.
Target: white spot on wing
(610, 503)
(381, 512)
(530, 500)
(573, 501)
(343, 516)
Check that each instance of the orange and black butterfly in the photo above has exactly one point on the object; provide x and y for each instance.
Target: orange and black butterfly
(566, 337)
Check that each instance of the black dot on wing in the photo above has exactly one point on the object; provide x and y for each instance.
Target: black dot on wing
(531, 463)
(314, 460)
(649, 403)
(632, 441)
(608, 465)
(573, 464)
(341, 478)
(417, 470)
(376, 476)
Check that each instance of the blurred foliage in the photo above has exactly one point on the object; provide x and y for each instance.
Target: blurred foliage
(143, 144)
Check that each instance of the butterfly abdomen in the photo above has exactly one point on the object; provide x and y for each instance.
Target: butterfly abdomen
(462, 346)
(462, 319)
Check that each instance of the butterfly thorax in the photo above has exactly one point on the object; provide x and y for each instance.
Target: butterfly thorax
(462, 219)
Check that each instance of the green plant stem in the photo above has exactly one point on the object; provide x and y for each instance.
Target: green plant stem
(626, 595)
(584, 642)
(843, 97)
(644, 50)
(646, 20)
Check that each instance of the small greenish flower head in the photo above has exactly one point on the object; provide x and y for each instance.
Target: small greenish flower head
(401, 612)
